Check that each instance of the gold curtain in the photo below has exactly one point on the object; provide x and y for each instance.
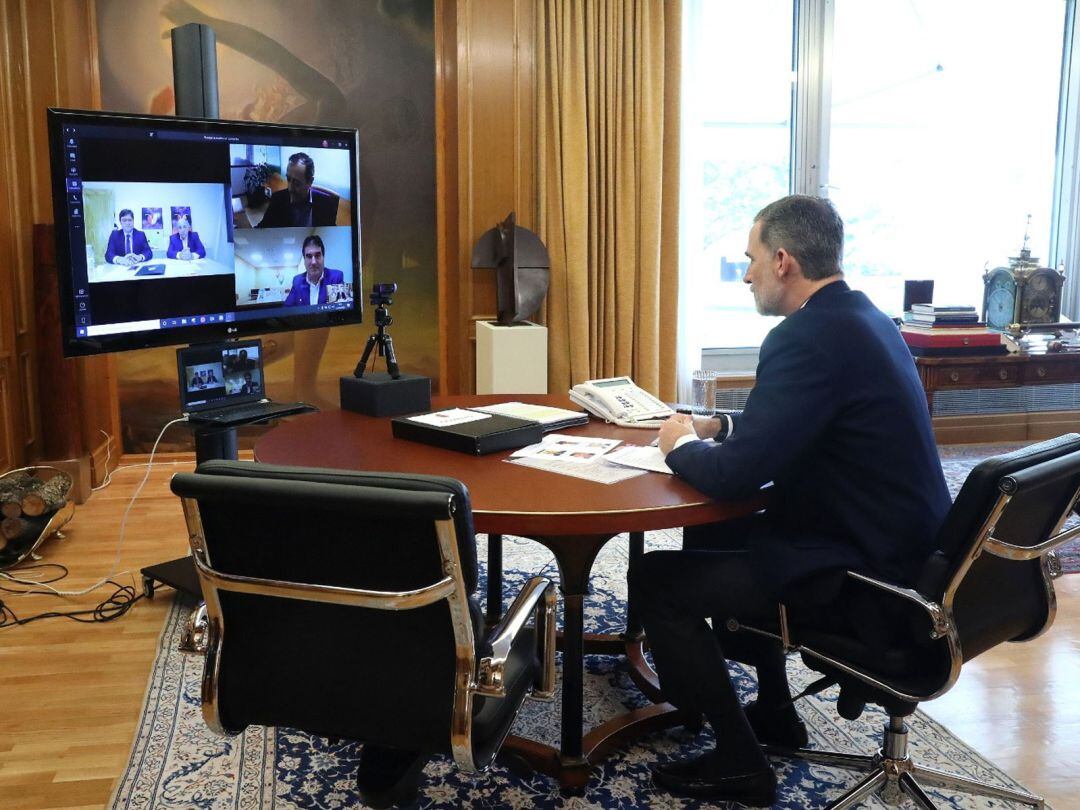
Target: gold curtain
(609, 188)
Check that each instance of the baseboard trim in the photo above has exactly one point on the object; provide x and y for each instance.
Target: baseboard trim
(1004, 427)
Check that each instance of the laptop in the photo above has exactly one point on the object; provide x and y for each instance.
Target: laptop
(223, 384)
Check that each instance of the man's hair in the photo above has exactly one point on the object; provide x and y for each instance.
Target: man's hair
(125, 212)
(304, 159)
(314, 239)
(809, 229)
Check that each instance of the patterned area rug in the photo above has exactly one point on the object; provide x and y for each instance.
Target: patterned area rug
(176, 762)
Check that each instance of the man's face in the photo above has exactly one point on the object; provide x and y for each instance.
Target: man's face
(313, 261)
(761, 275)
(182, 227)
(127, 223)
(299, 186)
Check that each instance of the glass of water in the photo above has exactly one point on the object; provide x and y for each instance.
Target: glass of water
(703, 392)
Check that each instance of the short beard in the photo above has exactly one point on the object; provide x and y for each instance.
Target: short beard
(766, 306)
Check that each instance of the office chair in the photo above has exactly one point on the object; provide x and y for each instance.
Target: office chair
(988, 582)
(342, 603)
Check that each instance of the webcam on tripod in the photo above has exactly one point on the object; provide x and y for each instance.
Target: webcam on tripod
(380, 294)
(381, 342)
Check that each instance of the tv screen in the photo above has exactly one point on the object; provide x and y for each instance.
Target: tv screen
(176, 230)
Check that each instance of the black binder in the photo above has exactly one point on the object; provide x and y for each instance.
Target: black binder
(475, 438)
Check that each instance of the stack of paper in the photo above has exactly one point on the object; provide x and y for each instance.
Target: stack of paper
(549, 418)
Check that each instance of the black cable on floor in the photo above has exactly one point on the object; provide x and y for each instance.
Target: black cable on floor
(115, 606)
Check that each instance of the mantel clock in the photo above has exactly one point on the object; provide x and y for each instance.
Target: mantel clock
(1022, 293)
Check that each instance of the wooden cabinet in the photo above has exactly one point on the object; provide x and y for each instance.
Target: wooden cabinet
(1009, 371)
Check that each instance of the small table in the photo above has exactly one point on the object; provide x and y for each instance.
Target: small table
(571, 517)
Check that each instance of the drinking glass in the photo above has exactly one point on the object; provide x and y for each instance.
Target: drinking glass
(703, 392)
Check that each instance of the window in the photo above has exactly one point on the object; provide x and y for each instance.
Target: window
(931, 125)
(942, 139)
(736, 157)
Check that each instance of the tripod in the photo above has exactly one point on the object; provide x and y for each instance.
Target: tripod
(384, 343)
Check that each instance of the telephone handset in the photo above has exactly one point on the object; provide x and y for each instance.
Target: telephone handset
(618, 400)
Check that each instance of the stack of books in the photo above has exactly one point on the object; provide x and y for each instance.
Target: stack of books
(949, 331)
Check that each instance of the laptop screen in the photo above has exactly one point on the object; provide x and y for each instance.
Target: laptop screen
(217, 375)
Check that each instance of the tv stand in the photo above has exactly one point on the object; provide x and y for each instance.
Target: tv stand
(211, 442)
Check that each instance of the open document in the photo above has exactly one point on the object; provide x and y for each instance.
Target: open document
(593, 459)
(641, 458)
(576, 456)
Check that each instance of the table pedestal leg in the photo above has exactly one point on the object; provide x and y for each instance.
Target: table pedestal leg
(579, 752)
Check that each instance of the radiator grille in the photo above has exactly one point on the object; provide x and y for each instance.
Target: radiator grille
(731, 399)
(1029, 399)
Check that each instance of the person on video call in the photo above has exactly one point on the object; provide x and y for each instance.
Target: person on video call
(300, 205)
(249, 386)
(309, 287)
(127, 246)
(185, 243)
(837, 420)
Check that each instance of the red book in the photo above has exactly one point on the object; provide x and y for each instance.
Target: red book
(936, 341)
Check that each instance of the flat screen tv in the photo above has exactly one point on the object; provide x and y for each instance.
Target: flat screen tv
(176, 230)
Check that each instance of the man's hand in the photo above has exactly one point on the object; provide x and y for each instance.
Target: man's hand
(677, 426)
(185, 255)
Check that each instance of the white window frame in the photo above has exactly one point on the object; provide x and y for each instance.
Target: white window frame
(811, 121)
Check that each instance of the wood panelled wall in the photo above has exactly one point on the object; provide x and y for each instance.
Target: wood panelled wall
(486, 98)
(48, 58)
(486, 95)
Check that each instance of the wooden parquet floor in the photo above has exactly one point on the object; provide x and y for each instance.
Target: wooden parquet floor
(70, 693)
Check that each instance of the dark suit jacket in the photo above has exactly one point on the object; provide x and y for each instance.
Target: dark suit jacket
(299, 295)
(138, 245)
(195, 245)
(838, 421)
(323, 210)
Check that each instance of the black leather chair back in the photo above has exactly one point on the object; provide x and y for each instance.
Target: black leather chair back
(336, 670)
(1001, 599)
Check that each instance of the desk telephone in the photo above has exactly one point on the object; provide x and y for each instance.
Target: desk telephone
(618, 400)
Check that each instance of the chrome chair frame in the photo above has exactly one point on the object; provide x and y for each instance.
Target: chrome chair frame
(891, 771)
(205, 628)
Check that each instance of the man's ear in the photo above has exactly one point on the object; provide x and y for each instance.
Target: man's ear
(785, 263)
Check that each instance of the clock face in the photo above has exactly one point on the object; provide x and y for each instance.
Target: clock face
(1039, 303)
(1036, 308)
(999, 307)
(1000, 301)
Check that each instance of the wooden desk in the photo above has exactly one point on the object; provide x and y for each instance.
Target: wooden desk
(1006, 371)
(572, 517)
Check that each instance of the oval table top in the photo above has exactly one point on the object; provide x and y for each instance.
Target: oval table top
(507, 498)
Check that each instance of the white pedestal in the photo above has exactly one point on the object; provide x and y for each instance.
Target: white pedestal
(511, 359)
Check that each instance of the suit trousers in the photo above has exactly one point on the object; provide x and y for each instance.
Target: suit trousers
(675, 592)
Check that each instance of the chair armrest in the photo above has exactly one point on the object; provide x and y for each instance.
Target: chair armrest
(195, 634)
(939, 619)
(537, 597)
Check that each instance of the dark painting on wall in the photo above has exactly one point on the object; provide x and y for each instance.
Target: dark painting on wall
(368, 65)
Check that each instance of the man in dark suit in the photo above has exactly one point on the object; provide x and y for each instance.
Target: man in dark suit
(127, 246)
(300, 205)
(185, 243)
(309, 287)
(837, 420)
